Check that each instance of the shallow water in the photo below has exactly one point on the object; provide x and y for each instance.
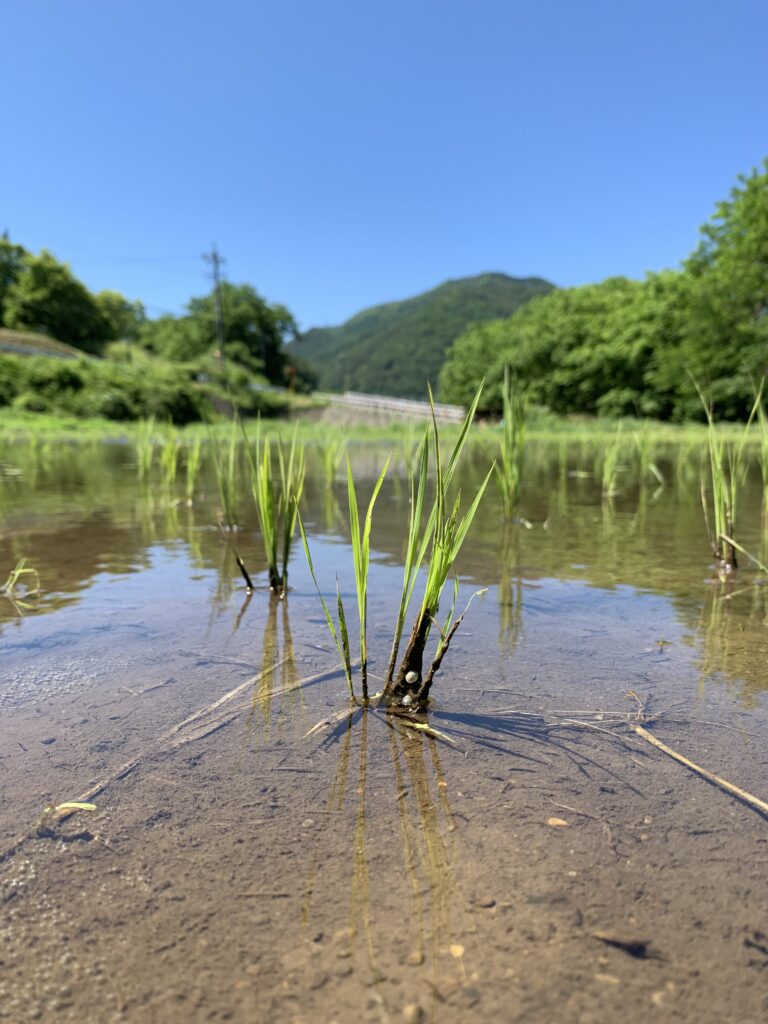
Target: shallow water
(366, 871)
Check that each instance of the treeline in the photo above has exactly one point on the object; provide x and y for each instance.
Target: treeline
(625, 347)
(178, 369)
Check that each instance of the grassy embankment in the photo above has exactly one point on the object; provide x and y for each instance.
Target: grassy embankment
(18, 424)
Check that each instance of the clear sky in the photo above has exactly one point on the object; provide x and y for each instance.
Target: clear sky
(344, 153)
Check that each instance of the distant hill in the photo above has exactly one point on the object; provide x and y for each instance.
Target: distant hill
(396, 348)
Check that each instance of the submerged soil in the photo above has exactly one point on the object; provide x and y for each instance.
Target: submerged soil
(544, 865)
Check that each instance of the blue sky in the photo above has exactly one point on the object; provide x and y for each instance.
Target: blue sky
(343, 154)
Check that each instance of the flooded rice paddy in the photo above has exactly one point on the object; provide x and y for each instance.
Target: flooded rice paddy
(534, 861)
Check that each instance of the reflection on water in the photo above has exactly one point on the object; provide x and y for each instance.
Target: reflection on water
(282, 681)
(733, 631)
(416, 788)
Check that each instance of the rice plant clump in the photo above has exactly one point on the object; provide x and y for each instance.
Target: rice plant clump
(436, 537)
(277, 499)
(441, 539)
(727, 474)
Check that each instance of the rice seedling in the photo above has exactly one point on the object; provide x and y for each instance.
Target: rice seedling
(509, 468)
(611, 467)
(192, 467)
(169, 459)
(21, 583)
(361, 549)
(762, 419)
(644, 443)
(17, 580)
(410, 448)
(277, 500)
(331, 453)
(442, 536)
(727, 473)
(225, 466)
(145, 446)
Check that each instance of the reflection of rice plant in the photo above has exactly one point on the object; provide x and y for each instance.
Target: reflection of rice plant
(727, 473)
(442, 536)
(277, 500)
(509, 468)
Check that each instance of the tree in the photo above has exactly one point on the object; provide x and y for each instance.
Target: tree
(47, 297)
(584, 349)
(254, 330)
(13, 259)
(124, 318)
(179, 339)
(724, 343)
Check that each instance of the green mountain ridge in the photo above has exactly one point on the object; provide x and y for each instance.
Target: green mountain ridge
(396, 348)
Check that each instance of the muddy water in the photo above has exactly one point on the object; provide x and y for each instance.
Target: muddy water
(540, 863)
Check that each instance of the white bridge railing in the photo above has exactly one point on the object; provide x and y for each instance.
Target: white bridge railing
(407, 408)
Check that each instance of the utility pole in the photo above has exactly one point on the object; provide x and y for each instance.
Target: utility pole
(215, 260)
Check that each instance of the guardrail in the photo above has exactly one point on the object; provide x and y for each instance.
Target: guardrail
(407, 408)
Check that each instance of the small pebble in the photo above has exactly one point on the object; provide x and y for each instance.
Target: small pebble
(413, 1013)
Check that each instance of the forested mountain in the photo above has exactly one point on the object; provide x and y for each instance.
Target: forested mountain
(396, 348)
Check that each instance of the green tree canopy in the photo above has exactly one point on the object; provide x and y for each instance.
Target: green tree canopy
(47, 297)
(124, 318)
(255, 331)
(13, 259)
(576, 349)
(724, 333)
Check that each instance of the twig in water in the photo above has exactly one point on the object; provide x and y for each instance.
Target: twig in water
(716, 780)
